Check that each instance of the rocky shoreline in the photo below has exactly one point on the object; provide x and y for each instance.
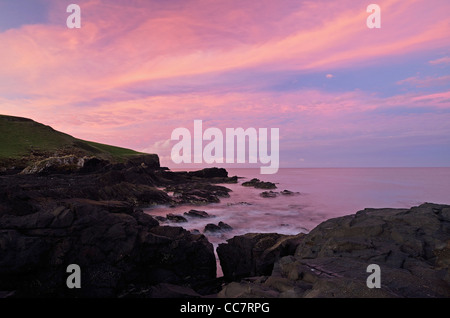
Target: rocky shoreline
(411, 247)
(90, 214)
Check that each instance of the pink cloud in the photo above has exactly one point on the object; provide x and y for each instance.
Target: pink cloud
(120, 45)
(79, 80)
(442, 60)
(427, 81)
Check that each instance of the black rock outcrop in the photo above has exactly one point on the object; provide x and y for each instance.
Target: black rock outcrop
(258, 184)
(91, 216)
(114, 244)
(410, 246)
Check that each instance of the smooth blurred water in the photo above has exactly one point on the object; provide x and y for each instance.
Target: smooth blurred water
(324, 193)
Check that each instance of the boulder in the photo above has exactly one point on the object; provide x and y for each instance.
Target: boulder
(258, 184)
(254, 254)
(224, 227)
(197, 214)
(221, 227)
(287, 192)
(269, 194)
(176, 218)
(214, 175)
(210, 173)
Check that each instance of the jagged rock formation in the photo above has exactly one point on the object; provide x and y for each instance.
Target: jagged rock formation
(411, 246)
(92, 218)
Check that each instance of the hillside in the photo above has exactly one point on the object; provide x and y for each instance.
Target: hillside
(23, 141)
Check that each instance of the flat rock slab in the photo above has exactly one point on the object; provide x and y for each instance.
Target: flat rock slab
(198, 214)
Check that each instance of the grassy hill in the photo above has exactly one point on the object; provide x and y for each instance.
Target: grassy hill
(23, 140)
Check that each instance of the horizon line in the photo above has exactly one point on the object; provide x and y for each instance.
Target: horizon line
(387, 167)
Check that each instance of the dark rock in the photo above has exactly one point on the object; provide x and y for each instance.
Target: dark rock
(144, 219)
(7, 294)
(198, 193)
(93, 164)
(411, 246)
(258, 184)
(211, 228)
(233, 179)
(160, 218)
(287, 192)
(254, 254)
(176, 218)
(144, 160)
(162, 290)
(134, 185)
(110, 206)
(224, 227)
(90, 216)
(269, 194)
(197, 214)
(189, 257)
(238, 203)
(113, 245)
(214, 175)
(221, 227)
(66, 164)
(210, 173)
(125, 191)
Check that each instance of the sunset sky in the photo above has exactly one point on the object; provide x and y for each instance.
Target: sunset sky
(342, 95)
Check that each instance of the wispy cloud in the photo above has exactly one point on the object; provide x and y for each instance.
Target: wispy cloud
(442, 60)
(426, 81)
(138, 69)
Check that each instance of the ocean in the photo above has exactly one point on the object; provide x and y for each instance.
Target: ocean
(323, 193)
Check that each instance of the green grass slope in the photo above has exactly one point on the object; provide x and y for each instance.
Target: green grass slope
(23, 140)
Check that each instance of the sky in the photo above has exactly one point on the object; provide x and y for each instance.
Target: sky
(341, 94)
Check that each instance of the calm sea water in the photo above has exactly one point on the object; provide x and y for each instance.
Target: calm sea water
(324, 193)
